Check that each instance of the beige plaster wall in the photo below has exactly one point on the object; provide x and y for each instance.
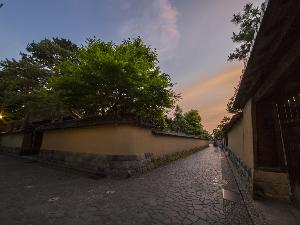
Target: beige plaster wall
(235, 139)
(248, 152)
(115, 140)
(159, 145)
(13, 140)
(240, 137)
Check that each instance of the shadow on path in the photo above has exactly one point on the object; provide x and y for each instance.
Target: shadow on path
(186, 191)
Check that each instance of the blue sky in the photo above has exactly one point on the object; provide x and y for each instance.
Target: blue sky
(192, 38)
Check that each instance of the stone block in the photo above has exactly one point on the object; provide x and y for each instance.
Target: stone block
(111, 165)
(272, 184)
(10, 150)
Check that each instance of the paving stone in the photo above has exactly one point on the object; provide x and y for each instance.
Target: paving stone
(186, 191)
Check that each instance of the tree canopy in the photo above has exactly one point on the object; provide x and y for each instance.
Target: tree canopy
(188, 123)
(110, 78)
(218, 133)
(193, 122)
(55, 77)
(248, 22)
(178, 122)
(23, 82)
(230, 106)
(49, 53)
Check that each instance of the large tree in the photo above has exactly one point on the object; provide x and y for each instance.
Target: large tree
(19, 81)
(248, 22)
(23, 82)
(193, 122)
(51, 52)
(115, 79)
(188, 123)
(178, 122)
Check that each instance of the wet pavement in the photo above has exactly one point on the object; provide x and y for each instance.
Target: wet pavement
(186, 191)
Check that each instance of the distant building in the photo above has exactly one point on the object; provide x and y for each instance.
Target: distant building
(264, 140)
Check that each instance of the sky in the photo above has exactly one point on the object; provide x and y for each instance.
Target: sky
(192, 38)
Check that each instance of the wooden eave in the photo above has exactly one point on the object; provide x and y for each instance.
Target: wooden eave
(275, 50)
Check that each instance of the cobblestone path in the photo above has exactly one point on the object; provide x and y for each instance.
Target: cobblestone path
(187, 191)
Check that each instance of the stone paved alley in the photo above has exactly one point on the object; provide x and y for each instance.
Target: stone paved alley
(186, 191)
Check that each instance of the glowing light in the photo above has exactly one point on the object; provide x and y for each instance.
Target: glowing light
(1, 116)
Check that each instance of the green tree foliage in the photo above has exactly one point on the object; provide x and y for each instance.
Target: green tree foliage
(115, 79)
(218, 133)
(50, 53)
(23, 82)
(193, 123)
(178, 122)
(188, 123)
(248, 22)
(206, 135)
(230, 108)
(19, 81)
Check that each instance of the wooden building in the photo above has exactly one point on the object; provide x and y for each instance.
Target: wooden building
(265, 139)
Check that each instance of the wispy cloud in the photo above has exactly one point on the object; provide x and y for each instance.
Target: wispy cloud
(212, 84)
(156, 23)
(211, 96)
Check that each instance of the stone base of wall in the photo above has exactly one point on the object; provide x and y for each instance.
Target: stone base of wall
(244, 171)
(296, 197)
(272, 184)
(110, 165)
(165, 159)
(105, 165)
(10, 150)
(269, 184)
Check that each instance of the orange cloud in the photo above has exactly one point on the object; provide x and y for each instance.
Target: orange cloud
(216, 81)
(211, 96)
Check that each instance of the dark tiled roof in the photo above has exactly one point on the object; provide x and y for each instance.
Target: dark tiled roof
(124, 119)
(174, 134)
(94, 121)
(275, 51)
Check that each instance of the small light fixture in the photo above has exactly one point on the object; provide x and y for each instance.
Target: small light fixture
(1, 116)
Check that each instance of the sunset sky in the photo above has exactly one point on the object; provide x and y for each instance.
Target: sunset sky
(192, 38)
